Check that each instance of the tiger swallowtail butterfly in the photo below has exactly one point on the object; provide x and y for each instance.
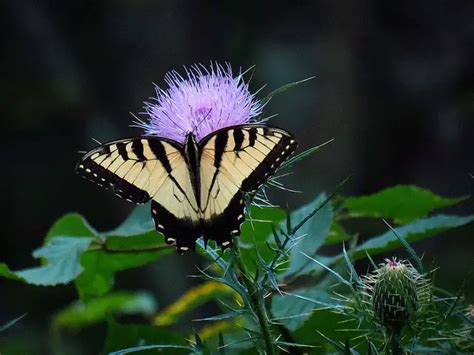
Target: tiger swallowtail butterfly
(196, 188)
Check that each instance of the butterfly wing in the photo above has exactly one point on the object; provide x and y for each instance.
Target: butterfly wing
(144, 168)
(235, 160)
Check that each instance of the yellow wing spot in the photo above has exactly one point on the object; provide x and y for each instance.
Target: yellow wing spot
(292, 141)
(224, 244)
(154, 211)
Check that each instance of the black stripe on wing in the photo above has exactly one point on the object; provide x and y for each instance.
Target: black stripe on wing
(90, 170)
(96, 165)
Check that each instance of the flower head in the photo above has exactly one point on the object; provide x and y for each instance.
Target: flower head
(398, 293)
(201, 102)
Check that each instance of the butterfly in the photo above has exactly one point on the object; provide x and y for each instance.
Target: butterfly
(196, 188)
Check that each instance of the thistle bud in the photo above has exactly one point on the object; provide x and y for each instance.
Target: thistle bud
(397, 292)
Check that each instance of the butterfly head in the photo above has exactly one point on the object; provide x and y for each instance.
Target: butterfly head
(190, 141)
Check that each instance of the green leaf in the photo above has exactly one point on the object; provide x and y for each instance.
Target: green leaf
(418, 230)
(312, 235)
(256, 232)
(7, 273)
(294, 309)
(329, 324)
(403, 203)
(71, 225)
(81, 314)
(132, 244)
(336, 234)
(66, 240)
(100, 268)
(62, 256)
(143, 338)
(138, 222)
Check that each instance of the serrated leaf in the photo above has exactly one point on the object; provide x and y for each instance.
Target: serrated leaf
(403, 203)
(62, 256)
(418, 230)
(81, 314)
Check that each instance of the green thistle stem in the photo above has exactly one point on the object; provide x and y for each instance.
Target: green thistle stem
(395, 343)
(258, 303)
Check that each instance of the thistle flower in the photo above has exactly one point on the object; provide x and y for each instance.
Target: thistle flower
(201, 102)
(397, 292)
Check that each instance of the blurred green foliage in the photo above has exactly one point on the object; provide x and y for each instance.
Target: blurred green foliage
(283, 256)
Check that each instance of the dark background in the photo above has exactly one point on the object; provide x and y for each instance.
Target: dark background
(394, 87)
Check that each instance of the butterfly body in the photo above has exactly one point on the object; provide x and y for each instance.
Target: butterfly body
(196, 188)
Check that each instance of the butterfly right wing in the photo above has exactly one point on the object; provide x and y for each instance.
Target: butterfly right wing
(144, 168)
(236, 160)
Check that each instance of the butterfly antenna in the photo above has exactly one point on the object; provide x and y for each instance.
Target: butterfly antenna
(196, 126)
(265, 119)
(96, 140)
(82, 151)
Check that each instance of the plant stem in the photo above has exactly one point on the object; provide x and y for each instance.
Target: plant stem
(258, 302)
(395, 343)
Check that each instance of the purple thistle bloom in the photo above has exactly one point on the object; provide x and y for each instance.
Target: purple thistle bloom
(205, 100)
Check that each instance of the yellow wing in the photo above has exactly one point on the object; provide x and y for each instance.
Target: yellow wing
(235, 160)
(145, 168)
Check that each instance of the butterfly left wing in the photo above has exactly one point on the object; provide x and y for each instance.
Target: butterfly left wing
(235, 160)
(144, 168)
